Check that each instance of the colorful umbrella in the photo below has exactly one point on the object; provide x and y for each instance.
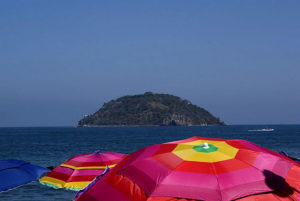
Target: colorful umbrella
(77, 172)
(199, 169)
(14, 173)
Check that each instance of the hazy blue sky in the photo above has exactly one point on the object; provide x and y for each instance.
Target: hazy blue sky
(62, 59)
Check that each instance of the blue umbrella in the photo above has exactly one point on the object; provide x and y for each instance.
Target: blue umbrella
(14, 173)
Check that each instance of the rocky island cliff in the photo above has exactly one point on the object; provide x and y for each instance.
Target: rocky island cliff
(150, 109)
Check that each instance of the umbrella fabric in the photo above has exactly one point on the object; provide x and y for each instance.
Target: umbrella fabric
(92, 182)
(77, 172)
(199, 169)
(297, 160)
(14, 173)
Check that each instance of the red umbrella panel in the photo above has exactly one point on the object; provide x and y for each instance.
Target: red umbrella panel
(199, 169)
(77, 172)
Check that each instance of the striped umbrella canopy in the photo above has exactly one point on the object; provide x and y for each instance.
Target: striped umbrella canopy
(77, 172)
(14, 173)
(199, 169)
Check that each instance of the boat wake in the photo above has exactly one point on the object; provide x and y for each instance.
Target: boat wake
(263, 130)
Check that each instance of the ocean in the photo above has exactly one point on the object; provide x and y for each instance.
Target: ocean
(52, 146)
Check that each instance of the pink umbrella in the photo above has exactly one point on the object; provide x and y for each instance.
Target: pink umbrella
(199, 169)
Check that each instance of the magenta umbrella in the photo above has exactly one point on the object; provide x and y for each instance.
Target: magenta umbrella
(199, 169)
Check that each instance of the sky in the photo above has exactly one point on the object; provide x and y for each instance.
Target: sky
(62, 59)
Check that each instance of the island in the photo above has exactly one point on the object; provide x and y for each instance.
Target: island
(150, 109)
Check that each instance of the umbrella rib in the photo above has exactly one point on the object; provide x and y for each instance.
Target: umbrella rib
(74, 172)
(252, 165)
(213, 167)
(158, 183)
(15, 166)
(69, 177)
(80, 169)
(27, 170)
(264, 193)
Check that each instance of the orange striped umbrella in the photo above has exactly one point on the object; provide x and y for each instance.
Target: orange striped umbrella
(77, 172)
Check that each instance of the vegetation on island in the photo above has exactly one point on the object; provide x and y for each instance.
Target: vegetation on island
(150, 109)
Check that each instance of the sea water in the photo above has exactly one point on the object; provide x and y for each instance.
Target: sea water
(52, 146)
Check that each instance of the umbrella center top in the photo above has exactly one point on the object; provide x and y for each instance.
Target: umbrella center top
(213, 151)
(205, 148)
